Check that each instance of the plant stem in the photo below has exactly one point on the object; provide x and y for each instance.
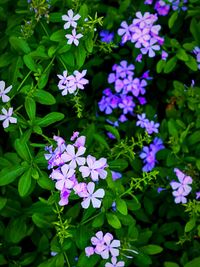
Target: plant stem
(23, 81)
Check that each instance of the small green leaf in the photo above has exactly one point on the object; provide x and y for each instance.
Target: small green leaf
(16, 230)
(24, 184)
(118, 164)
(50, 119)
(190, 224)
(192, 63)
(19, 44)
(30, 63)
(160, 65)
(113, 220)
(98, 221)
(113, 130)
(170, 65)
(41, 220)
(121, 206)
(58, 36)
(195, 31)
(30, 107)
(193, 263)
(170, 264)
(22, 149)
(45, 182)
(80, 55)
(182, 55)
(2, 202)
(152, 249)
(8, 175)
(172, 19)
(44, 97)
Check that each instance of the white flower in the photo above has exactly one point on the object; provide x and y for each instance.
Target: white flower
(74, 157)
(4, 91)
(92, 196)
(71, 19)
(73, 38)
(7, 117)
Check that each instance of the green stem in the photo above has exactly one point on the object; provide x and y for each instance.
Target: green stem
(62, 63)
(66, 258)
(23, 81)
(45, 30)
(88, 220)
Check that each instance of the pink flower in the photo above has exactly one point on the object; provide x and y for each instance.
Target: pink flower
(89, 251)
(110, 246)
(93, 196)
(63, 177)
(95, 168)
(7, 117)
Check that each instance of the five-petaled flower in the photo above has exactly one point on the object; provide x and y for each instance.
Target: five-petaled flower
(7, 118)
(4, 91)
(71, 19)
(92, 196)
(73, 38)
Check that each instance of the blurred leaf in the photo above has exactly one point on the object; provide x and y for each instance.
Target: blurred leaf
(194, 29)
(118, 164)
(19, 44)
(30, 63)
(190, 224)
(113, 130)
(121, 206)
(170, 65)
(172, 19)
(8, 175)
(24, 184)
(152, 249)
(193, 263)
(22, 149)
(30, 107)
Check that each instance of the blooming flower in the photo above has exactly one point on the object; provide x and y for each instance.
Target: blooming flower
(95, 168)
(71, 19)
(116, 175)
(110, 246)
(4, 91)
(6, 117)
(106, 36)
(162, 8)
(115, 263)
(77, 80)
(64, 197)
(73, 38)
(73, 157)
(92, 196)
(197, 195)
(124, 31)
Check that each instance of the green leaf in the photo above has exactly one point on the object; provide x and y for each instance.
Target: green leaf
(16, 230)
(58, 36)
(8, 175)
(172, 19)
(89, 44)
(50, 119)
(43, 79)
(101, 140)
(152, 249)
(194, 138)
(190, 224)
(84, 261)
(44, 97)
(30, 107)
(2, 202)
(98, 221)
(24, 184)
(113, 220)
(68, 58)
(170, 65)
(192, 63)
(80, 55)
(118, 164)
(113, 130)
(45, 182)
(5, 59)
(30, 63)
(41, 221)
(83, 11)
(170, 264)
(160, 65)
(19, 44)
(55, 17)
(182, 55)
(121, 206)
(193, 263)
(195, 31)
(22, 149)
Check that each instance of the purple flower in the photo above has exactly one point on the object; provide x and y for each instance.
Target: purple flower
(80, 141)
(73, 38)
(77, 80)
(98, 239)
(126, 104)
(197, 195)
(63, 177)
(164, 55)
(92, 196)
(180, 196)
(95, 168)
(64, 197)
(106, 36)
(74, 157)
(4, 91)
(81, 189)
(142, 120)
(151, 127)
(115, 263)
(89, 251)
(142, 100)
(74, 136)
(123, 69)
(162, 8)
(116, 175)
(6, 117)
(150, 48)
(71, 19)
(196, 51)
(124, 31)
(139, 58)
(110, 246)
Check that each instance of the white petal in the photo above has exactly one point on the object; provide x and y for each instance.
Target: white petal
(96, 203)
(6, 123)
(85, 203)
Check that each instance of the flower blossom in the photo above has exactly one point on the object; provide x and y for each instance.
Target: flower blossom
(6, 117)
(73, 38)
(92, 196)
(4, 91)
(114, 263)
(71, 19)
(74, 157)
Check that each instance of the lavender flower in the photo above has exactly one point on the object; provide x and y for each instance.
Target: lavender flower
(73, 38)
(116, 175)
(6, 117)
(4, 91)
(150, 126)
(115, 263)
(197, 195)
(92, 196)
(196, 51)
(74, 157)
(181, 188)
(106, 36)
(71, 19)
(162, 8)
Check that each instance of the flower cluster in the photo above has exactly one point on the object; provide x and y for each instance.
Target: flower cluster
(143, 33)
(181, 188)
(196, 51)
(71, 83)
(163, 7)
(150, 126)
(105, 245)
(148, 154)
(72, 166)
(6, 115)
(71, 21)
(128, 90)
